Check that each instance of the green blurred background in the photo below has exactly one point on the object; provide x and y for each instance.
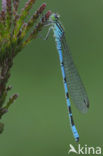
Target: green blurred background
(37, 123)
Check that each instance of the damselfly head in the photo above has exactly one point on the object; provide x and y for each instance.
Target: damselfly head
(54, 17)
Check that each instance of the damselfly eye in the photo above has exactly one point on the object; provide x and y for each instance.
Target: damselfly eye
(56, 16)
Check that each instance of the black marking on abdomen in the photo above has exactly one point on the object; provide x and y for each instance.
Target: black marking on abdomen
(71, 118)
(65, 80)
(70, 109)
(72, 122)
(67, 95)
(62, 63)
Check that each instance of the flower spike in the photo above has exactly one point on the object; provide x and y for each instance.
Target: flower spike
(13, 31)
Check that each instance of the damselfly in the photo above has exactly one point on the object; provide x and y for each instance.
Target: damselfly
(74, 88)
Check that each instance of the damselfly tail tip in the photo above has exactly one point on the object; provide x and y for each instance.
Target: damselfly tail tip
(77, 139)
